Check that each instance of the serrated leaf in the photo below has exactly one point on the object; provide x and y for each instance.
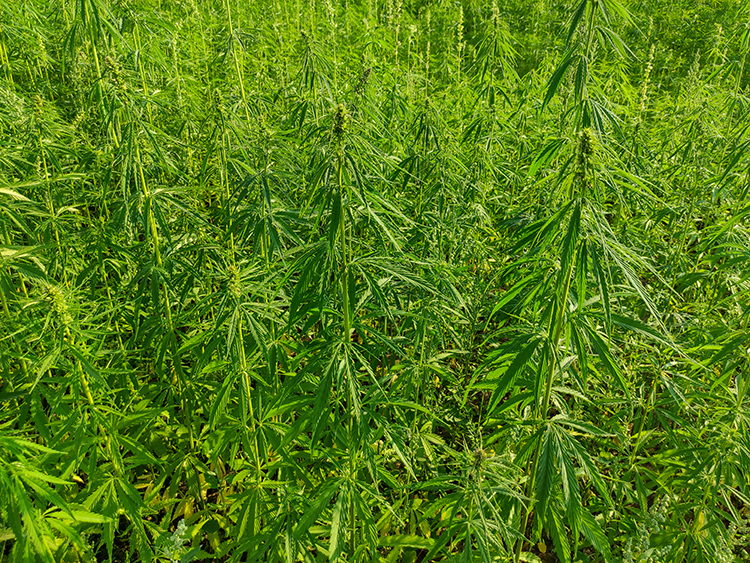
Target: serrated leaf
(594, 533)
(554, 82)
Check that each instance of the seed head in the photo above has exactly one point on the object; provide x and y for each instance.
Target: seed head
(60, 305)
(341, 120)
(586, 149)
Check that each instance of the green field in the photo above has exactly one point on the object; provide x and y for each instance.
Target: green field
(387, 281)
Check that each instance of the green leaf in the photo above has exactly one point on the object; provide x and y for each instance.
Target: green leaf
(605, 355)
(581, 77)
(415, 542)
(588, 466)
(608, 7)
(559, 533)
(338, 524)
(635, 325)
(219, 406)
(619, 45)
(570, 244)
(593, 532)
(546, 470)
(92, 372)
(13, 194)
(89, 517)
(322, 398)
(575, 20)
(585, 427)
(29, 473)
(603, 284)
(322, 498)
(569, 57)
(140, 454)
(547, 154)
(521, 359)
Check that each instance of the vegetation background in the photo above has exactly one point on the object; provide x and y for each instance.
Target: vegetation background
(374, 280)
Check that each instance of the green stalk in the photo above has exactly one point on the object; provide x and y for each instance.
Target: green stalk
(560, 307)
(84, 382)
(557, 323)
(177, 378)
(82, 379)
(224, 180)
(92, 38)
(237, 64)
(50, 205)
(644, 415)
(342, 241)
(590, 28)
(6, 310)
(347, 340)
(246, 384)
(5, 61)
(141, 71)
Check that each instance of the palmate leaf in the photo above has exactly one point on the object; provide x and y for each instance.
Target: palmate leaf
(132, 503)
(568, 58)
(310, 265)
(26, 497)
(594, 533)
(625, 259)
(396, 270)
(557, 451)
(526, 345)
(261, 547)
(66, 531)
(739, 153)
(339, 521)
(569, 480)
(613, 39)
(322, 400)
(9, 487)
(556, 528)
(541, 233)
(321, 499)
(35, 530)
(90, 370)
(574, 448)
(576, 19)
(35, 481)
(729, 344)
(609, 7)
(639, 327)
(594, 113)
(569, 246)
(546, 470)
(546, 155)
(604, 354)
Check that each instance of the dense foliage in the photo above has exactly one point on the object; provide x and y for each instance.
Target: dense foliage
(374, 280)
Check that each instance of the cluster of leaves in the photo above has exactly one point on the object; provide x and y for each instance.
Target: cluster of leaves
(374, 281)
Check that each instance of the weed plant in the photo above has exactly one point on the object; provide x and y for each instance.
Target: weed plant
(374, 280)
